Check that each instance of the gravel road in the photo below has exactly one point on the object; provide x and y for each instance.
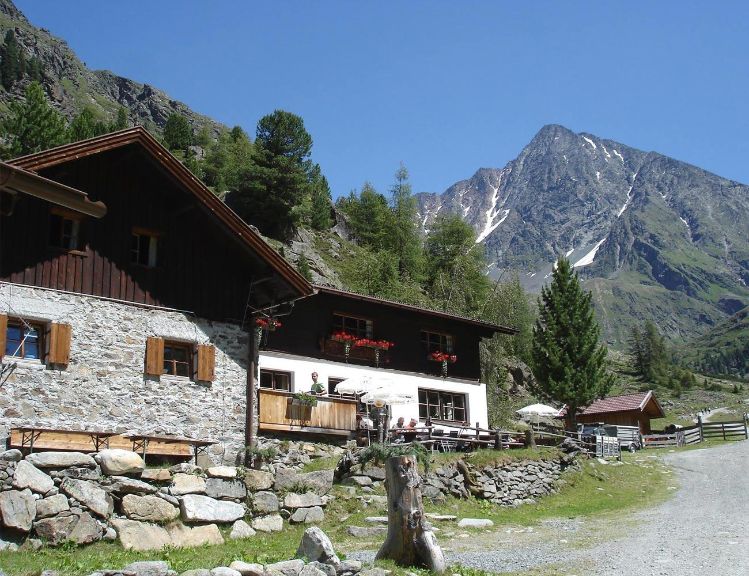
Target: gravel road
(702, 531)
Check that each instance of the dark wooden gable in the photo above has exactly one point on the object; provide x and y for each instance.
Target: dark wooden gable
(202, 266)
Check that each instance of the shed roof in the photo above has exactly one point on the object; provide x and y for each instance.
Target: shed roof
(638, 402)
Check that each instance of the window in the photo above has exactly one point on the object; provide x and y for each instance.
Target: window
(442, 406)
(332, 383)
(143, 248)
(24, 340)
(65, 230)
(275, 380)
(437, 342)
(177, 359)
(359, 327)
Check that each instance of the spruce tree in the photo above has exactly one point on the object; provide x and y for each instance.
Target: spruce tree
(85, 125)
(568, 361)
(177, 132)
(404, 238)
(321, 202)
(121, 121)
(12, 62)
(32, 124)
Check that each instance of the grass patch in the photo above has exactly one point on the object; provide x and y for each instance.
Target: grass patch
(327, 463)
(481, 458)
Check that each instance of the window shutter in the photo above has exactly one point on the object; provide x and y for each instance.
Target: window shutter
(3, 333)
(59, 344)
(154, 356)
(206, 362)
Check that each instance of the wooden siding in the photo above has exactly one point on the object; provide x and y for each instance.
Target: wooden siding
(632, 418)
(307, 330)
(329, 416)
(201, 266)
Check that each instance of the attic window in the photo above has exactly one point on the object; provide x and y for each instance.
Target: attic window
(437, 342)
(144, 247)
(65, 229)
(359, 327)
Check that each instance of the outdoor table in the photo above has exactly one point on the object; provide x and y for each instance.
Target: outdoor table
(141, 441)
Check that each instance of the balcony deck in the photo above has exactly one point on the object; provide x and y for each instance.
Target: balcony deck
(280, 412)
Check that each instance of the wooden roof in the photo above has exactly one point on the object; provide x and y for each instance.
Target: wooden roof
(639, 402)
(141, 137)
(411, 308)
(14, 179)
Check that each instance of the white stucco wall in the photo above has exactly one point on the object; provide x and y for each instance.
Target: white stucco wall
(301, 369)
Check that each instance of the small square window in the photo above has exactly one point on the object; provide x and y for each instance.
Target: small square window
(65, 231)
(275, 380)
(24, 340)
(359, 327)
(144, 248)
(437, 342)
(177, 359)
(442, 406)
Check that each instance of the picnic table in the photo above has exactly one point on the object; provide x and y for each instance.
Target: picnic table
(31, 434)
(141, 442)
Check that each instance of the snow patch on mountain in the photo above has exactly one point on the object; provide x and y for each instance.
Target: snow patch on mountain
(589, 141)
(629, 196)
(616, 153)
(589, 257)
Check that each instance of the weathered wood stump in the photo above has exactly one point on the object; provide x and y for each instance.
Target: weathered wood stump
(408, 542)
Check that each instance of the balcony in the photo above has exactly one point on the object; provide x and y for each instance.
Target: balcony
(358, 354)
(281, 412)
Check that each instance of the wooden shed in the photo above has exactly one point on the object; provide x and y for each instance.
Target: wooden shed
(627, 410)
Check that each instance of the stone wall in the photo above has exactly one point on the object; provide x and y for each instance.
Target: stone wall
(104, 386)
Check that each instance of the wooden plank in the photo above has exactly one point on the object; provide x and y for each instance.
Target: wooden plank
(304, 429)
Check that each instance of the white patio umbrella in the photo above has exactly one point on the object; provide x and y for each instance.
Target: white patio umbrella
(541, 410)
(387, 396)
(359, 385)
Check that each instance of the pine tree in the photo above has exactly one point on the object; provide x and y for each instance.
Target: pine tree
(12, 62)
(121, 120)
(404, 238)
(177, 132)
(85, 125)
(320, 201)
(32, 124)
(568, 361)
(303, 267)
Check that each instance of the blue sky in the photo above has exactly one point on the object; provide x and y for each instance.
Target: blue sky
(444, 87)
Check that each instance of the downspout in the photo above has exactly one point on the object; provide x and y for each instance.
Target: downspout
(253, 354)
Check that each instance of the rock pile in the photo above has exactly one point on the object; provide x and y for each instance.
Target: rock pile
(56, 497)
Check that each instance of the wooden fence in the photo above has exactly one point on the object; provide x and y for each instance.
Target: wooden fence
(736, 430)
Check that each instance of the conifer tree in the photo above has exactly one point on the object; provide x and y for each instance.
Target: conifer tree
(121, 120)
(12, 62)
(404, 238)
(568, 361)
(321, 202)
(177, 132)
(85, 125)
(32, 124)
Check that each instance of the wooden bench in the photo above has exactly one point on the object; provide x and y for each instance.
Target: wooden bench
(41, 438)
(158, 444)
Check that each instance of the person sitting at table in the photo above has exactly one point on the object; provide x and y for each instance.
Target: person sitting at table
(413, 423)
(396, 431)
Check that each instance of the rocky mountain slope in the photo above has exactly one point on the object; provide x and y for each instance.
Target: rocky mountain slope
(654, 238)
(71, 85)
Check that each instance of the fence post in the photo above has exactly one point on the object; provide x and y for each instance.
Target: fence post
(497, 440)
(699, 423)
(477, 431)
(746, 432)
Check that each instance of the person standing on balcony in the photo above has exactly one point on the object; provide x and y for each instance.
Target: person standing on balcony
(317, 387)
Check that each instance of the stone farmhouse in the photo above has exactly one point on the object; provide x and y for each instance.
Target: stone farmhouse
(136, 305)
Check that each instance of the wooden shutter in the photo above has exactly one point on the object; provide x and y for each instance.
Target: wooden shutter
(59, 344)
(154, 356)
(3, 333)
(206, 362)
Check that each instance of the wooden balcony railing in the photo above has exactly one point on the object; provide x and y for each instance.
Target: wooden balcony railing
(280, 411)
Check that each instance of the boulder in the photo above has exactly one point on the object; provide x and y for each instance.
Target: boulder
(51, 506)
(366, 531)
(225, 489)
(196, 572)
(320, 482)
(286, 567)
(326, 569)
(188, 537)
(187, 484)
(310, 570)
(226, 472)
(374, 472)
(90, 495)
(29, 476)
(149, 568)
(186, 468)
(225, 571)
(475, 523)
(196, 508)
(270, 523)
(81, 529)
(17, 509)
(148, 508)
(246, 569)
(257, 480)
(307, 515)
(350, 566)
(240, 529)
(140, 536)
(358, 481)
(156, 475)
(125, 485)
(294, 501)
(317, 547)
(61, 460)
(264, 502)
(115, 462)
(13, 455)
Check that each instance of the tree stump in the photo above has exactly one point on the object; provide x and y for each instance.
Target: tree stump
(408, 542)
